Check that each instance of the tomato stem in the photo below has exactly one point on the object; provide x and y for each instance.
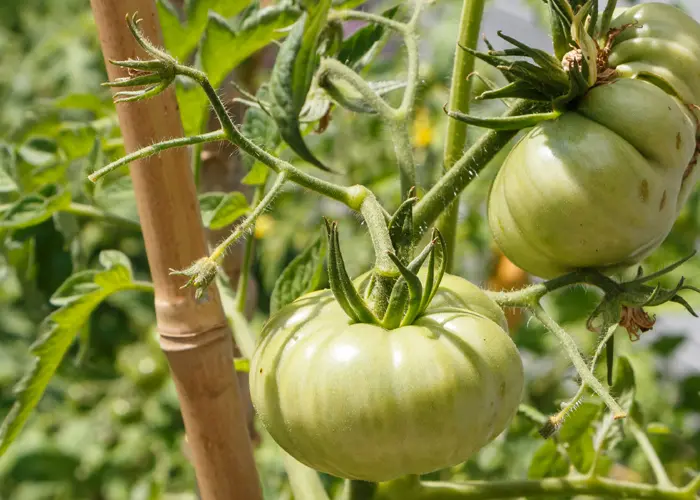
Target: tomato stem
(572, 351)
(460, 95)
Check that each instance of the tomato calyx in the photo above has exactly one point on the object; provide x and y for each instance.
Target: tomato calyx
(410, 297)
(154, 75)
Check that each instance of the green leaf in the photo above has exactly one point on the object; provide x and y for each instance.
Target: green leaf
(8, 161)
(261, 129)
(39, 152)
(222, 209)
(74, 287)
(34, 209)
(578, 422)
(224, 48)
(624, 387)
(56, 335)
(291, 78)
(257, 176)
(363, 41)
(548, 461)
(182, 39)
(301, 276)
(581, 451)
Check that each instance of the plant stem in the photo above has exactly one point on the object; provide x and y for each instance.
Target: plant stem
(385, 270)
(657, 467)
(304, 481)
(217, 135)
(549, 487)
(453, 182)
(572, 351)
(369, 17)
(249, 221)
(242, 288)
(460, 95)
(401, 138)
(350, 196)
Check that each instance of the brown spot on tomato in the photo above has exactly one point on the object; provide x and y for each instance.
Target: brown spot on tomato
(678, 141)
(644, 190)
(663, 201)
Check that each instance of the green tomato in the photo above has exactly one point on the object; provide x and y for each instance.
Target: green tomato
(600, 186)
(361, 402)
(662, 44)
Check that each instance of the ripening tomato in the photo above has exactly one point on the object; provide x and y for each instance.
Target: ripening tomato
(362, 402)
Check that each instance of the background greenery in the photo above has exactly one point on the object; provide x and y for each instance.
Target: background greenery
(108, 426)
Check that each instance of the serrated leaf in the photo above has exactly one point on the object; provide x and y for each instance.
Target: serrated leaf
(578, 422)
(222, 209)
(548, 461)
(74, 287)
(181, 39)
(57, 333)
(291, 78)
(224, 48)
(261, 129)
(34, 209)
(362, 42)
(301, 276)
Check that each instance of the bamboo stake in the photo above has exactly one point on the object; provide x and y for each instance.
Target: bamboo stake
(194, 336)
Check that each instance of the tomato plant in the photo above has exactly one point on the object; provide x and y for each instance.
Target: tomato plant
(400, 379)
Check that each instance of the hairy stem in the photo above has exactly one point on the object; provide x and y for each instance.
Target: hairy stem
(244, 277)
(572, 351)
(385, 271)
(249, 221)
(460, 95)
(657, 467)
(453, 182)
(217, 135)
(400, 136)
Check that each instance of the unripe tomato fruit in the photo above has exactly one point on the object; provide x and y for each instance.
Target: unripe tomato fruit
(662, 42)
(361, 402)
(598, 187)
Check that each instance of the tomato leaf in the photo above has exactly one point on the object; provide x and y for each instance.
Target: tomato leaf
(291, 78)
(581, 451)
(224, 48)
(8, 161)
(363, 41)
(578, 422)
(260, 128)
(301, 276)
(222, 209)
(181, 39)
(34, 209)
(548, 461)
(58, 332)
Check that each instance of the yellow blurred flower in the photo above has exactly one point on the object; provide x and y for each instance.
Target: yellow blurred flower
(422, 129)
(263, 226)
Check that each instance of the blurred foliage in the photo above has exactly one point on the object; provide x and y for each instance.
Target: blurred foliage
(108, 425)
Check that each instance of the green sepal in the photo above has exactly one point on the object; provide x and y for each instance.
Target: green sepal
(519, 89)
(504, 123)
(398, 312)
(415, 291)
(439, 262)
(401, 228)
(341, 285)
(561, 39)
(593, 21)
